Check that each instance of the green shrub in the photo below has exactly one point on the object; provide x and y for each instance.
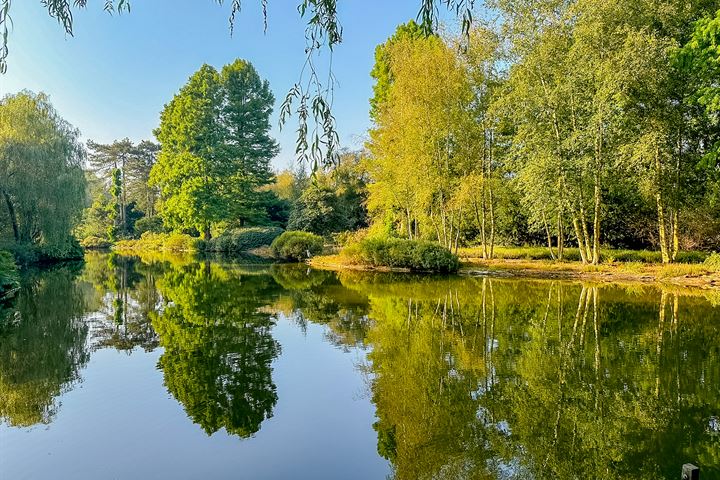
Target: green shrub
(349, 237)
(32, 254)
(400, 253)
(297, 245)
(243, 239)
(713, 261)
(692, 257)
(149, 224)
(9, 279)
(95, 243)
(175, 242)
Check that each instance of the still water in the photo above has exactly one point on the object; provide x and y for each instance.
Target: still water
(168, 368)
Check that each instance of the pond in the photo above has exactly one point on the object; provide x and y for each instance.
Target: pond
(164, 367)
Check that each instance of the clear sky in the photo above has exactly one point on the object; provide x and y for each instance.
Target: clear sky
(113, 77)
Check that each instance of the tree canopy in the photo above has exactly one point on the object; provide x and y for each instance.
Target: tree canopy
(41, 177)
(215, 148)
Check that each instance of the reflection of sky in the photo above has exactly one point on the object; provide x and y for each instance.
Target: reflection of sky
(121, 423)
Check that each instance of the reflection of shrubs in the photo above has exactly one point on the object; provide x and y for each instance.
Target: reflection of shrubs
(175, 242)
(298, 277)
(243, 239)
(95, 243)
(297, 245)
(402, 253)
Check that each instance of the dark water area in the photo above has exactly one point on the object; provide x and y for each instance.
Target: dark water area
(165, 367)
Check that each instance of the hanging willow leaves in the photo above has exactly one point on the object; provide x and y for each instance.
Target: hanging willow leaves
(310, 98)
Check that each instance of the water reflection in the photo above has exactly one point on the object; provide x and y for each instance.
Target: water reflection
(218, 346)
(122, 293)
(42, 346)
(478, 378)
(469, 377)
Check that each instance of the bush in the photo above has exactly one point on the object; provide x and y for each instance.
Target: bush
(297, 245)
(32, 254)
(713, 261)
(9, 279)
(400, 253)
(175, 242)
(95, 243)
(149, 224)
(243, 239)
(692, 257)
(349, 237)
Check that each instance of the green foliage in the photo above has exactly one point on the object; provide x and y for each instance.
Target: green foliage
(95, 243)
(243, 239)
(9, 279)
(215, 149)
(297, 246)
(332, 200)
(173, 242)
(382, 70)
(42, 185)
(30, 254)
(713, 261)
(149, 224)
(418, 255)
(346, 238)
(120, 190)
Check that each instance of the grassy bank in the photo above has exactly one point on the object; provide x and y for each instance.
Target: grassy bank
(160, 242)
(607, 255)
(531, 262)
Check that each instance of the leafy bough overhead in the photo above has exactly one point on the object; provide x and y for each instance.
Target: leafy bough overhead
(311, 97)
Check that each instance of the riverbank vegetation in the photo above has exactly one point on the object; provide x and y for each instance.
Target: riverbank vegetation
(9, 279)
(579, 131)
(41, 180)
(297, 246)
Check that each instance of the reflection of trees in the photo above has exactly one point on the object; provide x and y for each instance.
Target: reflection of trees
(317, 296)
(42, 347)
(124, 295)
(218, 346)
(507, 379)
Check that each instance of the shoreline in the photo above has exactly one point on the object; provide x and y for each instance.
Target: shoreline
(682, 275)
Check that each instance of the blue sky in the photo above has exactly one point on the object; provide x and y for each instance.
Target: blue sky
(113, 77)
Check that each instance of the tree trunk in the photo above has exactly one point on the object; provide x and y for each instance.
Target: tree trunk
(206, 233)
(561, 237)
(661, 229)
(675, 236)
(477, 218)
(580, 240)
(483, 236)
(492, 225)
(547, 234)
(123, 196)
(13, 216)
(662, 220)
(409, 223)
(586, 235)
(596, 222)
